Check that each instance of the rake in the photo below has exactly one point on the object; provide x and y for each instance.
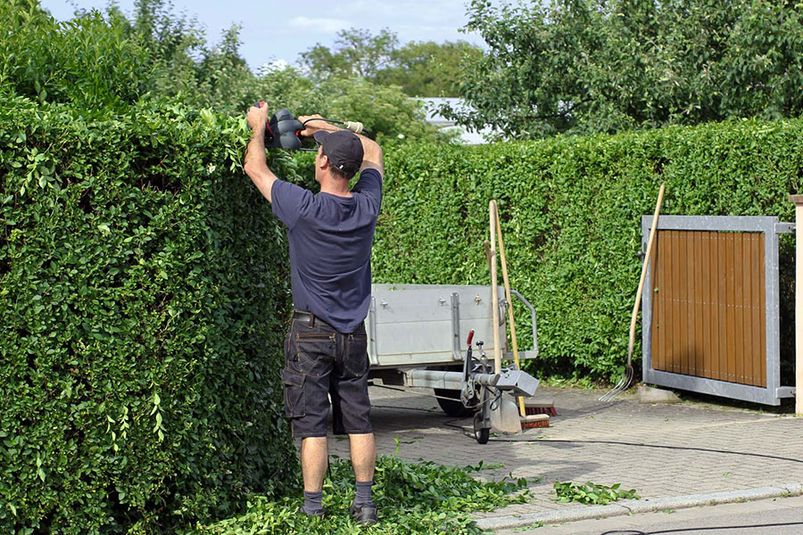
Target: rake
(627, 379)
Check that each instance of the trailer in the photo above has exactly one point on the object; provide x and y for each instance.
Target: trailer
(419, 337)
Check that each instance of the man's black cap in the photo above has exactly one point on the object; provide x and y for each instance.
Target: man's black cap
(343, 148)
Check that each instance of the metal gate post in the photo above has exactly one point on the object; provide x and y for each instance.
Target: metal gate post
(798, 200)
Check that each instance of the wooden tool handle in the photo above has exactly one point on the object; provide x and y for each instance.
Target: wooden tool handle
(509, 298)
(494, 288)
(644, 267)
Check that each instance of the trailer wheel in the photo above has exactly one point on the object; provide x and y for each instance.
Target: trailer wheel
(482, 434)
(452, 407)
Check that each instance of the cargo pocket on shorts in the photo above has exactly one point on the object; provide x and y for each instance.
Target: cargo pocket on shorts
(294, 404)
(355, 362)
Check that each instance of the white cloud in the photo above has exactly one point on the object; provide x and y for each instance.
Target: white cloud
(319, 24)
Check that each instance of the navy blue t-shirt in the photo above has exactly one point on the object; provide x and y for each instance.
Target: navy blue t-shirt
(330, 248)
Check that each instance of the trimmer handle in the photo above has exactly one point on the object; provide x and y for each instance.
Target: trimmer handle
(282, 131)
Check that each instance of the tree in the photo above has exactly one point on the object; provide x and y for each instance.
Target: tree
(605, 65)
(429, 69)
(105, 62)
(186, 66)
(421, 69)
(102, 61)
(357, 53)
(87, 60)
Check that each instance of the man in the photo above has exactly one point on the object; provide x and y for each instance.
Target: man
(330, 236)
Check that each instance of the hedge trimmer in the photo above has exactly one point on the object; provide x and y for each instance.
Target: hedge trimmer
(283, 130)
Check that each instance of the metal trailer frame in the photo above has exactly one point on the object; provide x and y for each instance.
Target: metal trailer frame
(426, 348)
(771, 228)
(424, 317)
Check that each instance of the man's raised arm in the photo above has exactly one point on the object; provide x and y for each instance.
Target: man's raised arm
(373, 157)
(255, 165)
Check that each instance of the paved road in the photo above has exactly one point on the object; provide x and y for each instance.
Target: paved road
(765, 517)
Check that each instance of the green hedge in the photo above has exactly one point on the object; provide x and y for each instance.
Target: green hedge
(571, 209)
(143, 290)
(143, 286)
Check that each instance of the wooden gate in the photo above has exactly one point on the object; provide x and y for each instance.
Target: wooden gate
(711, 307)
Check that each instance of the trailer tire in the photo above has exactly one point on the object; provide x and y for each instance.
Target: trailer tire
(452, 407)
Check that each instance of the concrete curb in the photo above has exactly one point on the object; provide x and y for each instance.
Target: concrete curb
(629, 507)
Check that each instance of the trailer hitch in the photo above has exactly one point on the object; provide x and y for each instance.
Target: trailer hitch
(479, 387)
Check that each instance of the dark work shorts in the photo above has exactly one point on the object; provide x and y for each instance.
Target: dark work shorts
(320, 362)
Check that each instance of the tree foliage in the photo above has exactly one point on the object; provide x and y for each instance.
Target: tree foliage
(429, 69)
(358, 53)
(106, 61)
(88, 61)
(419, 68)
(607, 65)
(185, 65)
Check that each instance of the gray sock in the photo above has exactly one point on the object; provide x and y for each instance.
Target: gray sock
(363, 496)
(312, 503)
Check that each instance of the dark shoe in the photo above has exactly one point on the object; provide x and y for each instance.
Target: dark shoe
(364, 514)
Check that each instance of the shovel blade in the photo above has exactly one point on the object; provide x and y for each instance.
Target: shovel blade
(505, 417)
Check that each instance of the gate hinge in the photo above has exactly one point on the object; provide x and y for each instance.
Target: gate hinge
(784, 228)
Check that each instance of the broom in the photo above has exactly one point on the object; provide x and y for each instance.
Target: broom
(527, 421)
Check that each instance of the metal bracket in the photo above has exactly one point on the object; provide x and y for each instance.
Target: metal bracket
(456, 352)
(784, 228)
(785, 392)
(522, 383)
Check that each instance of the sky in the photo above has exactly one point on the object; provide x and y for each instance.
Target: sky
(280, 30)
